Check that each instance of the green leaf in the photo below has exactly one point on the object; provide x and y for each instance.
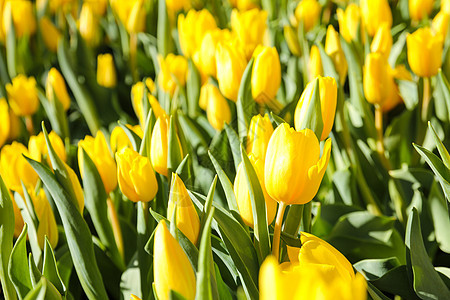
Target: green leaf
(11, 50)
(174, 155)
(193, 83)
(245, 102)
(55, 113)
(163, 30)
(375, 268)
(133, 137)
(49, 269)
(235, 145)
(278, 120)
(35, 274)
(144, 149)
(313, 118)
(375, 293)
(18, 265)
(44, 290)
(441, 148)
(443, 86)
(426, 281)
(174, 295)
(439, 215)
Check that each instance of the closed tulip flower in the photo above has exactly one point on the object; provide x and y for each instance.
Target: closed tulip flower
(308, 12)
(119, 138)
(136, 18)
(291, 36)
(98, 151)
(135, 175)
(374, 13)
(171, 267)
(259, 133)
(440, 23)
(50, 33)
(382, 41)
(47, 223)
(266, 74)
(424, 52)
(205, 58)
(106, 72)
(186, 216)
(315, 63)
(242, 193)
(89, 26)
(22, 95)
(230, 64)
(38, 148)
(175, 5)
(4, 116)
(23, 17)
(137, 94)
(217, 110)
(15, 169)
(291, 178)
(376, 78)
(419, 9)
(445, 6)
(76, 187)
(243, 5)
(173, 72)
(334, 50)
(349, 21)
(55, 86)
(328, 100)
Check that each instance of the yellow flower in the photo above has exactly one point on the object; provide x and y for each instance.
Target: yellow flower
(76, 187)
(22, 95)
(136, 177)
(175, 5)
(250, 27)
(328, 100)
(137, 93)
(289, 177)
(315, 63)
(192, 29)
(424, 52)
(50, 34)
(98, 151)
(14, 168)
(445, 6)
(440, 23)
(55, 86)
(308, 12)
(266, 74)
(23, 17)
(334, 50)
(38, 148)
(5, 126)
(205, 57)
(243, 5)
(98, 6)
(136, 19)
(230, 64)
(119, 138)
(242, 193)
(186, 216)
(217, 110)
(106, 72)
(171, 267)
(134, 297)
(89, 26)
(382, 41)
(419, 9)
(374, 13)
(376, 78)
(259, 133)
(47, 223)
(173, 71)
(349, 21)
(156, 107)
(290, 34)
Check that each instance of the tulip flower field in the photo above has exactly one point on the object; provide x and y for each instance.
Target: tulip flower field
(224, 149)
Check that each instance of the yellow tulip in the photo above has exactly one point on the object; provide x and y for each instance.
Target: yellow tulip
(217, 110)
(14, 168)
(186, 216)
(38, 148)
(22, 95)
(156, 107)
(122, 9)
(4, 116)
(18, 220)
(289, 177)
(291, 36)
(259, 133)
(134, 297)
(243, 5)
(76, 187)
(393, 98)
(424, 52)
(55, 86)
(136, 177)
(230, 65)
(14, 125)
(382, 41)
(23, 17)
(205, 58)
(315, 63)
(266, 74)
(50, 34)
(349, 21)
(334, 50)
(98, 6)
(374, 13)
(89, 26)
(119, 138)
(137, 93)
(175, 5)
(171, 267)
(136, 18)
(440, 23)
(98, 151)
(47, 223)
(54, 6)
(250, 27)
(376, 78)
(445, 6)
(173, 72)
(328, 100)
(106, 72)
(242, 193)
(419, 9)
(308, 12)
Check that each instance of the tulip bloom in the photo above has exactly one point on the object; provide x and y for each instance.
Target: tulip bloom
(374, 13)
(205, 57)
(328, 100)
(308, 12)
(175, 5)
(440, 23)
(39, 151)
(419, 9)
(315, 63)
(76, 187)
(22, 95)
(376, 78)
(106, 72)
(242, 193)
(173, 67)
(289, 177)
(382, 41)
(137, 94)
(22, 15)
(159, 145)
(55, 86)
(424, 52)
(50, 33)
(217, 110)
(136, 19)
(266, 74)
(135, 175)
(89, 26)
(171, 267)
(119, 138)
(186, 216)
(14, 168)
(258, 137)
(349, 21)
(334, 50)
(47, 223)
(4, 116)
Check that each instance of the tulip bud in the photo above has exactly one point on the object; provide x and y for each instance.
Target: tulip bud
(38, 148)
(156, 107)
(230, 64)
(250, 27)
(173, 72)
(99, 153)
(382, 41)
(4, 116)
(440, 23)
(171, 267)
(315, 63)
(55, 86)
(106, 73)
(419, 9)
(328, 100)
(15, 169)
(137, 94)
(136, 177)
(76, 188)
(376, 78)
(374, 13)
(119, 139)
(174, 6)
(21, 14)
(242, 193)
(136, 18)
(289, 177)
(349, 22)
(205, 58)
(266, 74)
(186, 216)
(50, 33)
(47, 223)
(445, 6)
(424, 52)
(308, 12)
(259, 133)
(291, 37)
(89, 25)
(22, 95)
(334, 50)
(216, 106)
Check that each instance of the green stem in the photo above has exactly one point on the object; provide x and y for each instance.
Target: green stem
(380, 136)
(277, 232)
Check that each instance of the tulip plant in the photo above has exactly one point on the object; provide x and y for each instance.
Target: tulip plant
(224, 149)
